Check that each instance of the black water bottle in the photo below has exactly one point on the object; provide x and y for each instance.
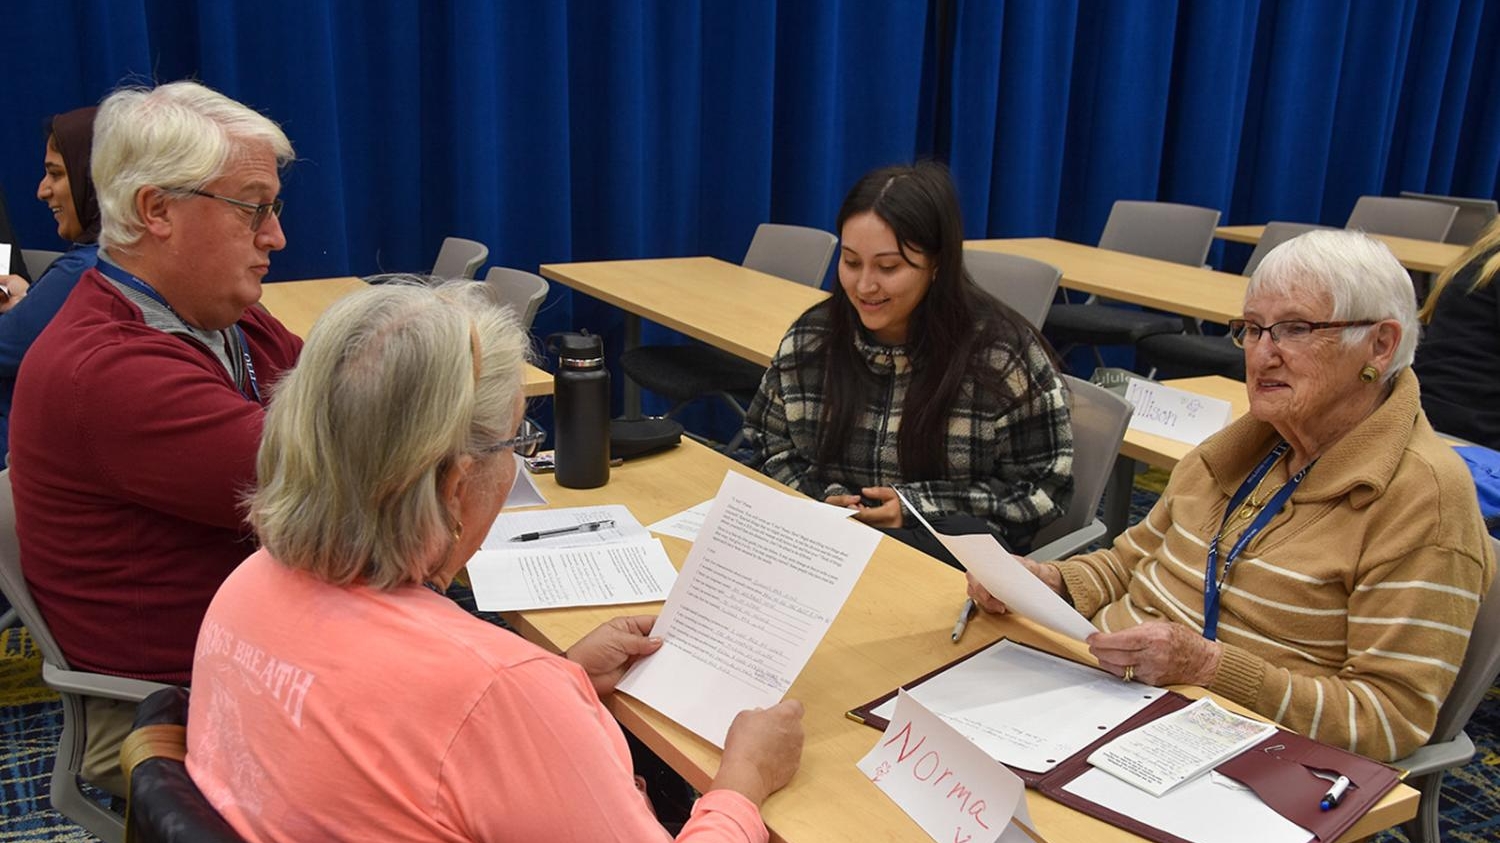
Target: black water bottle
(581, 403)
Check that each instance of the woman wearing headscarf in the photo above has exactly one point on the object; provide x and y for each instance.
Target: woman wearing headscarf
(68, 191)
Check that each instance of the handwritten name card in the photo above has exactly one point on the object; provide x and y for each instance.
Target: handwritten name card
(1175, 413)
(946, 784)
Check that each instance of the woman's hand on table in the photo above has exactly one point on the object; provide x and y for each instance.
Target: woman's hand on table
(1046, 573)
(1158, 653)
(877, 506)
(762, 751)
(607, 652)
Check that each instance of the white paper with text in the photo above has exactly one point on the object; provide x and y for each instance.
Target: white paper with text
(762, 584)
(1008, 580)
(1179, 746)
(553, 577)
(1027, 708)
(511, 524)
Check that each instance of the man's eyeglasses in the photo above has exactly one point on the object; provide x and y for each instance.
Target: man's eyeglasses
(257, 212)
(524, 443)
(1290, 332)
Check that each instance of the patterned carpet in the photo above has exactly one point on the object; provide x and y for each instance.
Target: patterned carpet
(30, 719)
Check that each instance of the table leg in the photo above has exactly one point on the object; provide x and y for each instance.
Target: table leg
(1117, 497)
(632, 389)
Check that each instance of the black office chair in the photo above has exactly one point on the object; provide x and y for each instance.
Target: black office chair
(1190, 355)
(165, 805)
(1161, 230)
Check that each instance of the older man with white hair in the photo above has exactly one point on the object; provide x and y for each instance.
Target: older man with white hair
(138, 412)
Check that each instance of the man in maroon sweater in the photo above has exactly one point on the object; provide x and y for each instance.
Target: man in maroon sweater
(138, 411)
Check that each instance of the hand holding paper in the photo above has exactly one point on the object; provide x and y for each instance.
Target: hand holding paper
(1009, 581)
(758, 591)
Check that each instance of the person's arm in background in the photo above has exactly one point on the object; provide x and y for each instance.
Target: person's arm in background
(24, 322)
(8, 235)
(773, 436)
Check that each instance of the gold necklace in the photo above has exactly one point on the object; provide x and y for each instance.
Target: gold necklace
(1253, 503)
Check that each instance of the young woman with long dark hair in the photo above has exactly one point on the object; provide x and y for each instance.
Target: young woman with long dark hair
(912, 377)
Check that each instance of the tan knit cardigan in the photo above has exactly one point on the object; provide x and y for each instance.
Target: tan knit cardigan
(1347, 617)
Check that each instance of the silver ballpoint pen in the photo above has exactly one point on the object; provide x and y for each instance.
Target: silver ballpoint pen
(963, 619)
(588, 527)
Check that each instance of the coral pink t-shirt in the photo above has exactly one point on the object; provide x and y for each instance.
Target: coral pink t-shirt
(331, 713)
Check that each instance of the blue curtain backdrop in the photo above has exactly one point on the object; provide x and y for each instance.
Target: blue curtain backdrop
(558, 131)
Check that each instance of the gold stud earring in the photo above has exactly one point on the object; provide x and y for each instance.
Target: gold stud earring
(1368, 374)
(458, 530)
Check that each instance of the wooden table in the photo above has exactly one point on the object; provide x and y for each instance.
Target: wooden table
(1163, 285)
(895, 627)
(1417, 255)
(725, 305)
(298, 304)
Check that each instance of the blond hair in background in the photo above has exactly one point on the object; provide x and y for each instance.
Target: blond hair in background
(178, 136)
(386, 396)
(1488, 240)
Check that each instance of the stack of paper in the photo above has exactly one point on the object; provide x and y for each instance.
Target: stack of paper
(620, 563)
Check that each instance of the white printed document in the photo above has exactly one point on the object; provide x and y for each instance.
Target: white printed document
(687, 523)
(943, 782)
(1008, 580)
(542, 577)
(5, 258)
(1027, 708)
(1179, 746)
(758, 591)
(578, 526)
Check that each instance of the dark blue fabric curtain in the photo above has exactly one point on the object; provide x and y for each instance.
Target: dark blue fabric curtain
(557, 131)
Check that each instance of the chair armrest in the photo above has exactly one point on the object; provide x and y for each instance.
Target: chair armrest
(1438, 756)
(1068, 544)
(98, 684)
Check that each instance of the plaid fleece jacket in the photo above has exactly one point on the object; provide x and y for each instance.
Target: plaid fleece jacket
(1011, 467)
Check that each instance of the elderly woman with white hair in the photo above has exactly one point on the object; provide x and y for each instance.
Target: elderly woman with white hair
(1321, 560)
(338, 695)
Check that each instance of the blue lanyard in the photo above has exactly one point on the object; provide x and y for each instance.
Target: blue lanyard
(1213, 580)
(116, 273)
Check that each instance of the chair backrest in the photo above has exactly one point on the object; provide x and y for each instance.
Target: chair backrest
(1099, 420)
(1162, 230)
(517, 289)
(1474, 215)
(1481, 664)
(794, 252)
(166, 806)
(1027, 285)
(1414, 218)
(1275, 234)
(37, 261)
(459, 258)
(13, 582)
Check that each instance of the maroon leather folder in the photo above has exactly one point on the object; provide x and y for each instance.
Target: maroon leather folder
(1279, 770)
